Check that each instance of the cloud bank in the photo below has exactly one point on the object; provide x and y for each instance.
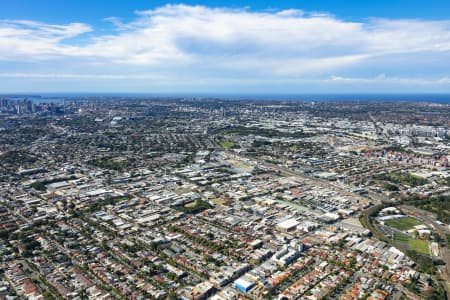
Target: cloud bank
(197, 45)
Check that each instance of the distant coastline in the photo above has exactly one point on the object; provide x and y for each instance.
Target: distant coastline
(57, 97)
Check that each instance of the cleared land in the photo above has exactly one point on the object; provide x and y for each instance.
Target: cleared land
(403, 224)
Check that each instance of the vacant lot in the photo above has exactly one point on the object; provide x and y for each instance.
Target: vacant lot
(403, 224)
(419, 246)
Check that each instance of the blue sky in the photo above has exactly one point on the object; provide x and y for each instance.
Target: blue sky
(335, 46)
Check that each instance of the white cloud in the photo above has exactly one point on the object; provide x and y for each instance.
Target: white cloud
(382, 78)
(28, 40)
(199, 42)
(291, 13)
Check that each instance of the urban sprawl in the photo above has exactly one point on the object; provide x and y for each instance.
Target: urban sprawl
(186, 198)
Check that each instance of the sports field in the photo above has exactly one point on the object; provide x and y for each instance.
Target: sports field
(403, 224)
(401, 238)
(419, 246)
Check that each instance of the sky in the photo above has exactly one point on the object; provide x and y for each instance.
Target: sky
(235, 47)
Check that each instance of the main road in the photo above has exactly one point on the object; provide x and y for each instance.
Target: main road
(420, 214)
(319, 182)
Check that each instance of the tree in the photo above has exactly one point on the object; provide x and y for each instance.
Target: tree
(172, 295)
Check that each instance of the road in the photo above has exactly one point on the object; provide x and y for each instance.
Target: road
(320, 182)
(55, 243)
(422, 215)
(444, 253)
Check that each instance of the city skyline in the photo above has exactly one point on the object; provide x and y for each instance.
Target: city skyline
(225, 150)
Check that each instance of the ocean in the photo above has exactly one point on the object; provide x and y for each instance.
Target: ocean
(433, 98)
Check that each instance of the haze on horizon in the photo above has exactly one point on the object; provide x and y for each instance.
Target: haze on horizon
(225, 47)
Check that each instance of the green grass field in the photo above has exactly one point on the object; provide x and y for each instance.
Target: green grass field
(401, 238)
(419, 246)
(403, 223)
(227, 144)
